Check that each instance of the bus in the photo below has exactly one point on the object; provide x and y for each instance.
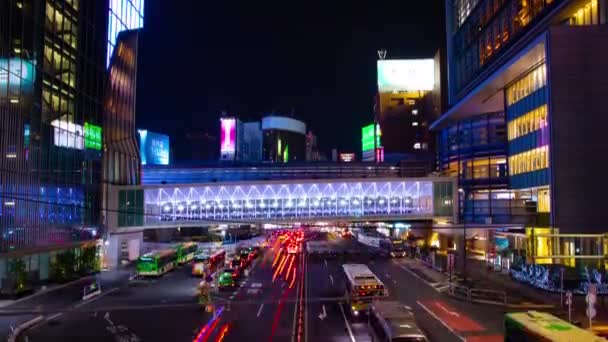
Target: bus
(185, 252)
(541, 326)
(205, 265)
(156, 263)
(394, 248)
(362, 286)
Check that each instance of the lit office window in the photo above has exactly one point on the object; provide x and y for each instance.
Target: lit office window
(544, 201)
(123, 15)
(585, 15)
(532, 121)
(529, 161)
(526, 85)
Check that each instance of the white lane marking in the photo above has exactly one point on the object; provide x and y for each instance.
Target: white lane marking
(419, 277)
(325, 263)
(52, 317)
(260, 310)
(331, 278)
(453, 313)
(387, 275)
(107, 318)
(254, 285)
(440, 321)
(103, 294)
(350, 330)
(323, 314)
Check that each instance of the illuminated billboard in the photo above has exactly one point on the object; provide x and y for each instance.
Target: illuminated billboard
(154, 148)
(346, 157)
(367, 137)
(227, 138)
(67, 134)
(406, 75)
(17, 74)
(92, 136)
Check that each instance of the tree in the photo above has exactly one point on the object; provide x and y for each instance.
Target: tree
(88, 260)
(18, 274)
(64, 267)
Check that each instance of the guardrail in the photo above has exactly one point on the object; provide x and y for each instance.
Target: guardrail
(14, 335)
(478, 295)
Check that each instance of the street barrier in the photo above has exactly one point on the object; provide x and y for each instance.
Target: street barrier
(12, 337)
(478, 295)
(91, 291)
(488, 296)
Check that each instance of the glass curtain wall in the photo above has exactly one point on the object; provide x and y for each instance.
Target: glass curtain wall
(51, 84)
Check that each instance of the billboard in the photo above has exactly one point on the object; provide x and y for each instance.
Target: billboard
(92, 136)
(346, 157)
(154, 148)
(17, 74)
(227, 138)
(367, 137)
(67, 134)
(406, 75)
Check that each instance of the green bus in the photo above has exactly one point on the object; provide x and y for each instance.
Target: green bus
(156, 263)
(541, 326)
(185, 252)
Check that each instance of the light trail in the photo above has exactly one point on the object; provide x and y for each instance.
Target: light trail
(207, 327)
(223, 332)
(289, 269)
(277, 315)
(210, 330)
(293, 281)
(276, 272)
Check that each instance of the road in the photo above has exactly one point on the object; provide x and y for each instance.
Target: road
(284, 298)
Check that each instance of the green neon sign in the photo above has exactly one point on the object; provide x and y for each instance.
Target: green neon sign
(92, 136)
(367, 137)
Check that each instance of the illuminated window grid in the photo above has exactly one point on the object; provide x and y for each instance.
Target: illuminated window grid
(526, 85)
(544, 201)
(586, 15)
(123, 15)
(532, 121)
(529, 161)
(291, 201)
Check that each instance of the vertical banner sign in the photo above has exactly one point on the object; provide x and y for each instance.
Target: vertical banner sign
(227, 138)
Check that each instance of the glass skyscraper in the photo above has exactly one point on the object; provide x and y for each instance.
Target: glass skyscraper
(53, 75)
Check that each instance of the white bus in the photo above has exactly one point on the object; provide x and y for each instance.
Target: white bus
(362, 286)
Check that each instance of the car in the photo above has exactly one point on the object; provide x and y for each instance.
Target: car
(227, 279)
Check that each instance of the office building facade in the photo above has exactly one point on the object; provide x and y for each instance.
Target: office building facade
(284, 139)
(52, 76)
(523, 131)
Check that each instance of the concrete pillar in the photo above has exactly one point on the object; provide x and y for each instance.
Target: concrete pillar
(121, 248)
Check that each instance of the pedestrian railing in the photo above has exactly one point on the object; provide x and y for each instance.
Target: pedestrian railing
(489, 296)
(478, 295)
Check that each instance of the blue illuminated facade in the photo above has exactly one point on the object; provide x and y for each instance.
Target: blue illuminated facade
(123, 15)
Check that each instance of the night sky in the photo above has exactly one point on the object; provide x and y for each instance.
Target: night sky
(201, 57)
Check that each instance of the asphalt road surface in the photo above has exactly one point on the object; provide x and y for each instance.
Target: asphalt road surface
(285, 297)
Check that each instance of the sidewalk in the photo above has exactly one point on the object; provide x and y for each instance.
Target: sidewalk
(520, 297)
(56, 298)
